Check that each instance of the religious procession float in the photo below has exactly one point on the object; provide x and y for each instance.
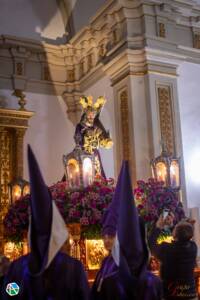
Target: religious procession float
(84, 194)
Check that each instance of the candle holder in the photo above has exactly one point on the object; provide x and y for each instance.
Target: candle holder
(18, 188)
(166, 168)
(79, 168)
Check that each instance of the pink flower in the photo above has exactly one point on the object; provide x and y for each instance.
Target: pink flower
(84, 221)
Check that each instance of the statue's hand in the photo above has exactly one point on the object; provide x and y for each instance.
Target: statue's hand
(106, 143)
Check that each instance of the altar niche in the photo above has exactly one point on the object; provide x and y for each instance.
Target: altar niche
(13, 125)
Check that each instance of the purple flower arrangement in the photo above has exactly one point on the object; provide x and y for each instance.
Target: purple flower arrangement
(85, 206)
(152, 197)
(16, 221)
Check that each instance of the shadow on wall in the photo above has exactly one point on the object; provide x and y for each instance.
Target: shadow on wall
(72, 15)
(79, 13)
(51, 21)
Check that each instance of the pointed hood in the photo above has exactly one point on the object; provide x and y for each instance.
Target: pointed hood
(110, 216)
(128, 227)
(47, 230)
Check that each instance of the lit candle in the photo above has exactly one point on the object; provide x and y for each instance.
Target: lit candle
(87, 172)
(71, 180)
(77, 177)
(173, 176)
(160, 178)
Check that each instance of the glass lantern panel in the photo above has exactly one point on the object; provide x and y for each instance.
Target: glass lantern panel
(174, 174)
(87, 171)
(161, 172)
(26, 190)
(16, 192)
(73, 173)
(152, 172)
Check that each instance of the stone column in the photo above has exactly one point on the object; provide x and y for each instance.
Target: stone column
(73, 107)
(146, 110)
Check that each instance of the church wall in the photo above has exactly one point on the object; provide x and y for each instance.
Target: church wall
(140, 127)
(103, 88)
(50, 133)
(34, 19)
(78, 19)
(189, 91)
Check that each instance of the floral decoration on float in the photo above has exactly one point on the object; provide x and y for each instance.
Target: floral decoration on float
(152, 198)
(85, 206)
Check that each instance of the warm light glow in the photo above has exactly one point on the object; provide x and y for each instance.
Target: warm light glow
(161, 171)
(26, 190)
(12, 250)
(87, 165)
(174, 174)
(16, 192)
(87, 171)
(165, 239)
(194, 167)
(73, 173)
(95, 252)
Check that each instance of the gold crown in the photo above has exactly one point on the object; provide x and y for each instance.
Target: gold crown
(87, 103)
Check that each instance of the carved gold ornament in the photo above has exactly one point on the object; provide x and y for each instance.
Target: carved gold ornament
(166, 118)
(95, 252)
(125, 125)
(87, 103)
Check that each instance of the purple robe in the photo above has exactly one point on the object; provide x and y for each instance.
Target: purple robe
(64, 279)
(107, 284)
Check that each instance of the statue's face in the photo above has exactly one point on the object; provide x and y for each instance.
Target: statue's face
(90, 115)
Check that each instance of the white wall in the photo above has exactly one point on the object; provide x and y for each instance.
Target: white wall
(50, 133)
(33, 19)
(140, 127)
(103, 88)
(43, 20)
(189, 101)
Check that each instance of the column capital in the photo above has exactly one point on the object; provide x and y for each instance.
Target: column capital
(73, 107)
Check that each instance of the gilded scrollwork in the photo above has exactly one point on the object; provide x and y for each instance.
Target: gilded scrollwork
(19, 68)
(95, 252)
(161, 30)
(196, 40)
(125, 125)
(71, 75)
(5, 165)
(13, 125)
(166, 118)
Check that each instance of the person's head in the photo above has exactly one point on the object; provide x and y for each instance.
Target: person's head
(109, 228)
(108, 241)
(183, 231)
(4, 265)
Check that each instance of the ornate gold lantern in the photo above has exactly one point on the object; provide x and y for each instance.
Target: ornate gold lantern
(18, 188)
(166, 168)
(79, 168)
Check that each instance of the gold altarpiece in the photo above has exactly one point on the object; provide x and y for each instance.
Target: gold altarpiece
(13, 125)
